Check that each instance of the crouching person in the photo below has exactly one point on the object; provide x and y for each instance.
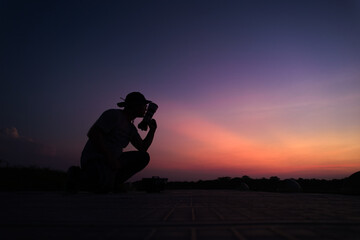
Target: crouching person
(103, 162)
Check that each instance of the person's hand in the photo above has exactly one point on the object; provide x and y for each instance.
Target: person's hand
(152, 125)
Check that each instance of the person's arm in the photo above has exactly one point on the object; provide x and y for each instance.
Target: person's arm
(96, 136)
(143, 144)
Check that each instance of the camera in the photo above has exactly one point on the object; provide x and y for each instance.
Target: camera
(152, 107)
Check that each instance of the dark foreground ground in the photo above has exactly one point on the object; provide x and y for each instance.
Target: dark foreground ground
(181, 214)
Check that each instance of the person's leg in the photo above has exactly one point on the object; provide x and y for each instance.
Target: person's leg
(98, 176)
(132, 162)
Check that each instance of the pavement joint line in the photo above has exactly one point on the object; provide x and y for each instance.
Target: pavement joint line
(168, 215)
(193, 234)
(192, 214)
(217, 214)
(237, 234)
(282, 233)
(151, 234)
(245, 215)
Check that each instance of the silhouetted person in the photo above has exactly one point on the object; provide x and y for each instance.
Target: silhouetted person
(103, 161)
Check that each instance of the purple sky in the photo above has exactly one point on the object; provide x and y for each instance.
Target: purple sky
(269, 71)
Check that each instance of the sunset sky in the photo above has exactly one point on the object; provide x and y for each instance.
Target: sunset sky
(258, 88)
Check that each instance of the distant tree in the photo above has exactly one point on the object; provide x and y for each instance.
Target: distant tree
(274, 179)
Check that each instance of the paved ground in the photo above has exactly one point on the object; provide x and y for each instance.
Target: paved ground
(186, 214)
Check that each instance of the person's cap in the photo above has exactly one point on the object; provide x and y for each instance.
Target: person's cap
(133, 98)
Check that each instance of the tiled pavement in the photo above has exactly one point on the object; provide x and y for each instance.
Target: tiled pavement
(183, 214)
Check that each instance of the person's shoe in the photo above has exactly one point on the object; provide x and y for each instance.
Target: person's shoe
(73, 179)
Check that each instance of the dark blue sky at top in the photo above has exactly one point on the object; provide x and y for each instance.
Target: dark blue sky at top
(61, 60)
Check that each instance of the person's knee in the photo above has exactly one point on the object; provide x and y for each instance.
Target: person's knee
(135, 160)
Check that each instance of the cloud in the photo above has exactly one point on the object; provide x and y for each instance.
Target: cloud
(18, 150)
(9, 132)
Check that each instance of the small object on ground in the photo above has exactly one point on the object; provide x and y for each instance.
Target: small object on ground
(244, 187)
(289, 186)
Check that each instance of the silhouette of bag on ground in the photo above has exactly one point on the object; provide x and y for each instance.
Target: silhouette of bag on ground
(289, 186)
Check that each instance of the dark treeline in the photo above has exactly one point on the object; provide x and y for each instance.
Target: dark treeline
(272, 184)
(31, 179)
(349, 185)
(44, 179)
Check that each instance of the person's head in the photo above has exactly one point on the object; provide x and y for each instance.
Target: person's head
(135, 104)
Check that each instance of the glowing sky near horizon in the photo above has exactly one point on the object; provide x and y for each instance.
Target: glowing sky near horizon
(257, 88)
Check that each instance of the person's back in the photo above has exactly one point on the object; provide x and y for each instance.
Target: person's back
(117, 133)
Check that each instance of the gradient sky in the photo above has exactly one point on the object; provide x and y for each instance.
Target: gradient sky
(257, 88)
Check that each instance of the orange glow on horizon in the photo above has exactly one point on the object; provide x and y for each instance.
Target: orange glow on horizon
(194, 142)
